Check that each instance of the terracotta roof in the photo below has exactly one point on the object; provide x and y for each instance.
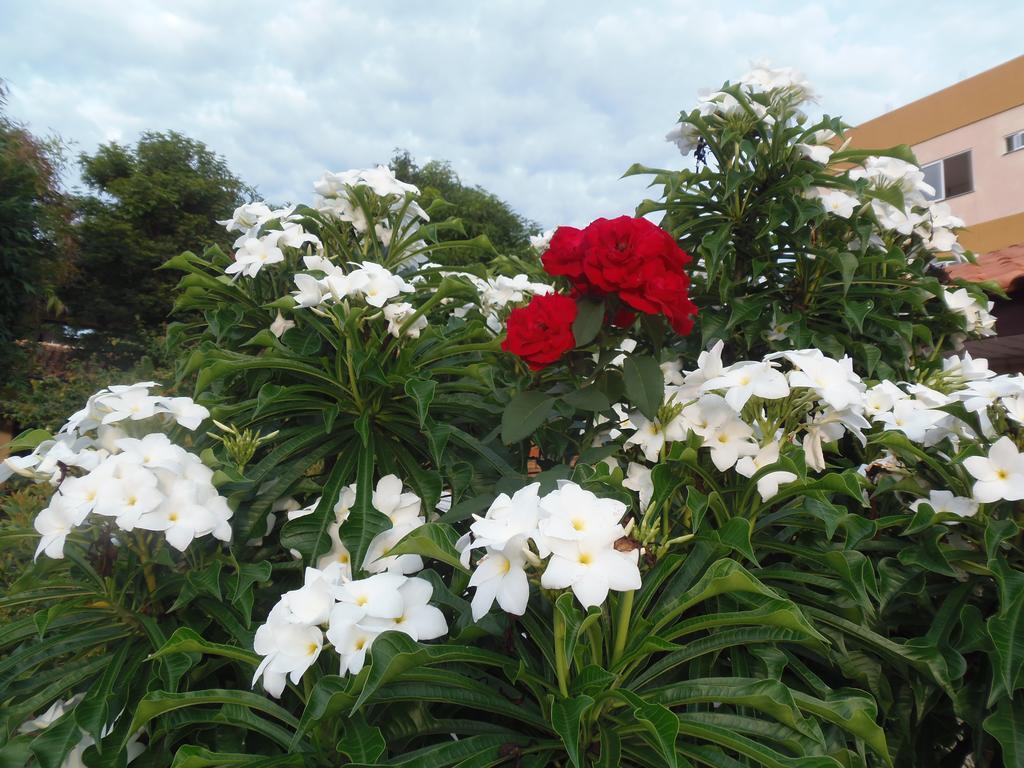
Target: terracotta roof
(1005, 267)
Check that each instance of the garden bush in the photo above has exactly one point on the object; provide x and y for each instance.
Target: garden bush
(717, 492)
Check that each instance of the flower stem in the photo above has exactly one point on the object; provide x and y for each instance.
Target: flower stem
(622, 618)
(561, 663)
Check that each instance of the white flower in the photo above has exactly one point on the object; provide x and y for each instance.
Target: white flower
(181, 515)
(749, 379)
(397, 314)
(638, 478)
(54, 524)
(836, 201)
(383, 182)
(418, 619)
(946, 502)
(310, 291)
(253, 255)
(977, 317)
(768, 484)
(309, 604)
(540, 242)
(649, 436)
(763, 78)
(500, 575)
(247, 217)
(912, 418)
(350, 638)
(280, 326)
(833, 380)
(819, 153)
(728, 439)
(288, 649)
(573, 514)
(186, 411)
(591, 567)
(379, 285)
(685, 136)
(292, 235)
(375, 597)
(509, 518)
(132, 402)
(1000, 475)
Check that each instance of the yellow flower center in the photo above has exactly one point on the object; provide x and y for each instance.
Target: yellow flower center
(361, 600)
(311, 649)
(585, 559)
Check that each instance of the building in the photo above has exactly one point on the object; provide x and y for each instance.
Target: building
(969, 140)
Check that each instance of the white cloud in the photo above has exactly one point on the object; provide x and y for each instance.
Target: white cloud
(545, 104)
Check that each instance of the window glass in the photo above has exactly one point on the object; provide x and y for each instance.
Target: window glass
(933, 177)
(956, 173)
(1015, 141)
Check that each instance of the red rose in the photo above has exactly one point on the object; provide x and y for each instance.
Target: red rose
(541, 332)
(563, 255)
(619, 254)
(668, 291)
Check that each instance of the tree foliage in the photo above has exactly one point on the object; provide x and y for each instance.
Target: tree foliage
(36, 247)
(148, 203)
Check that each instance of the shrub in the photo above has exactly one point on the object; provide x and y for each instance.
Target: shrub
(607, 516)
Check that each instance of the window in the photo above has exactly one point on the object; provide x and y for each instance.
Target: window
(1015, 141)
(950, 177)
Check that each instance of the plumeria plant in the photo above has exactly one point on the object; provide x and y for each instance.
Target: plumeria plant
(719, 492)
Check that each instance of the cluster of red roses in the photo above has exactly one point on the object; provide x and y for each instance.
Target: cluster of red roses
(626, 258)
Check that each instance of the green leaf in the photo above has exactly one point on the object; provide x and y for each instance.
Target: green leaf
(588, 322)
(1006, 725)
(185, 640)
(308, 534)
(364, 521)
(736, 535)
(1007, 627)
(422, 393)
(565, 719)
(590, 398)
(160, 702)
(661, 726)
(433, 540)
(197, 757)
(645, 384)
(361, 742)
(54, 743)
(27, 441)
(393, 653)
(524, 414)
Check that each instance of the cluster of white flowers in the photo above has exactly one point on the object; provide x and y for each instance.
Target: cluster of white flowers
(257, 247)
(581, 536)
(133, 475)
(978, 317)
(496, 295)
(368, 282)
(354, 612)
(333, 197)
(728, 407)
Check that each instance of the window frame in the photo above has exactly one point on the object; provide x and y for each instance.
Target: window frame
(941, 193)
(1019, 136)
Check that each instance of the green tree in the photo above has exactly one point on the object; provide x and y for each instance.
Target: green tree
(149, 203)
(481, 212)
(36, 246)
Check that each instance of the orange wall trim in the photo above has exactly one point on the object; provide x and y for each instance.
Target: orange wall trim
(993, 91)
(994, 235)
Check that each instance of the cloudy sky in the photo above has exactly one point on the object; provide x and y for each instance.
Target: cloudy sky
(543, 103)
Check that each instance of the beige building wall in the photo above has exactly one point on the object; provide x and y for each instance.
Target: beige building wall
(977, 114)
(998, 176)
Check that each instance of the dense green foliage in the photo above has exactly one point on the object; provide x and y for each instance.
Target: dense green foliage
(816, 611)
(36, 247)
(150, 201)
